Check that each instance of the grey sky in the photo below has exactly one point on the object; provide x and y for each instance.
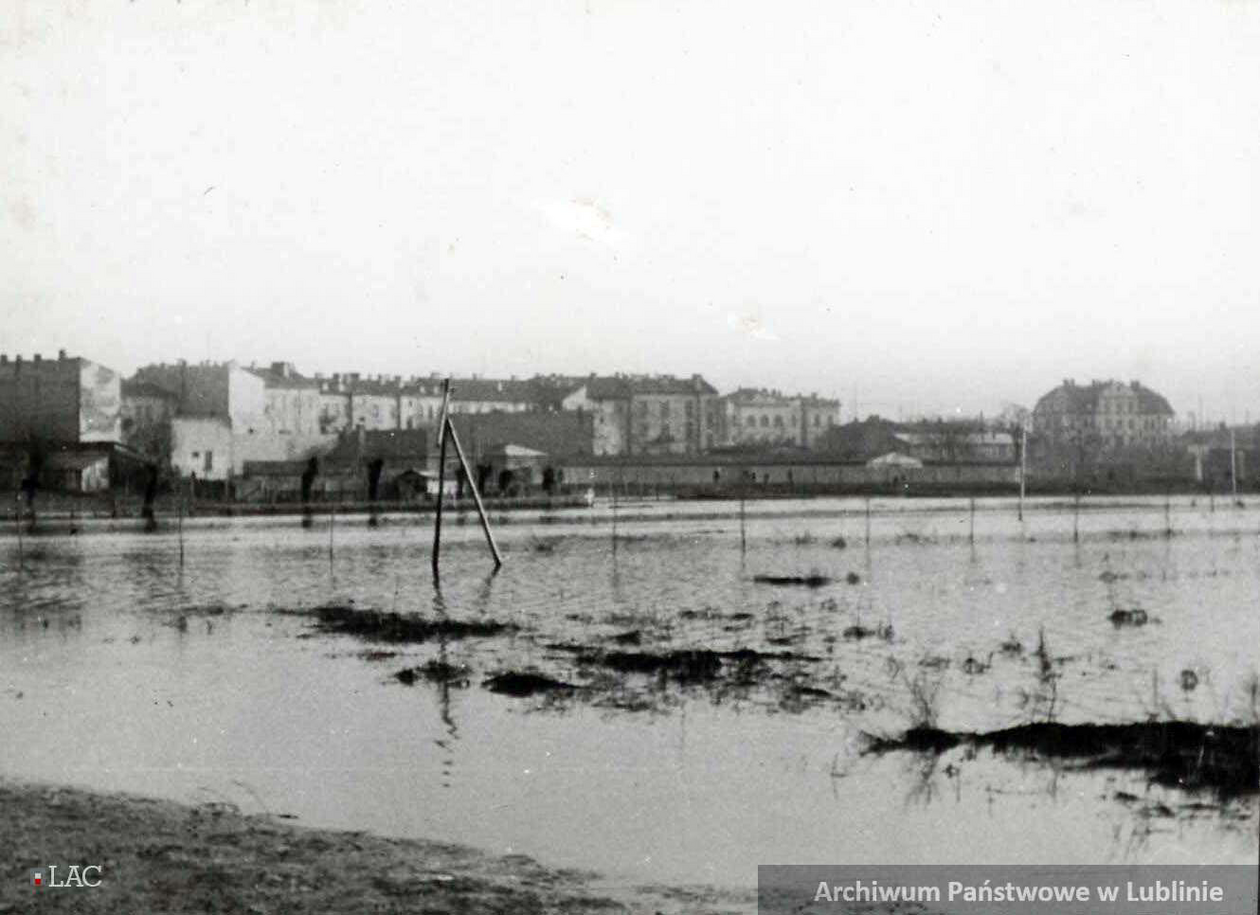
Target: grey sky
(940, 205)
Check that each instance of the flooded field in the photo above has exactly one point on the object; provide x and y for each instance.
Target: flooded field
(669, 709)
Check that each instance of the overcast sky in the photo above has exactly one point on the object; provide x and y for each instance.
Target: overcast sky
(934, 206)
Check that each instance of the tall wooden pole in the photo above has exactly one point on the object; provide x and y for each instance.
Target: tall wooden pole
(472, 484)
(868, 521)
(971, 531)
(437, 522)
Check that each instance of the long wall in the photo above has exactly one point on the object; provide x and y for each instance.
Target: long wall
(802, 473)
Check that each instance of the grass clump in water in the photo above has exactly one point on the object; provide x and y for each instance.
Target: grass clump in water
(379, 626)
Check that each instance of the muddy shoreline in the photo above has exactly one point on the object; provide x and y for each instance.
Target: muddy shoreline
(162, 856)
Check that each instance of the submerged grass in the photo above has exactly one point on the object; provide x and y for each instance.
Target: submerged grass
(1183, 754)
(380, 626)
(813, 580)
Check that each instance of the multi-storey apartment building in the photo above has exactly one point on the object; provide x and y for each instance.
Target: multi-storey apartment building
(62, 400)
(649, 414)
(1106, 414)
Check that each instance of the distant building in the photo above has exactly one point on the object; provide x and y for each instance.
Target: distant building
(292, 401)
(931, 442)
(1223, 456)
(558, 434)
(1103, 414)
(649, 414)
(62, 400)
(147, 412)
(352, 400)
(226, 414)
(492, 395)
(760, 417)
(144, 403)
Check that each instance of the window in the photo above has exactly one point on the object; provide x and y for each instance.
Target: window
(209, 465)
(665, 410)
(765, 421)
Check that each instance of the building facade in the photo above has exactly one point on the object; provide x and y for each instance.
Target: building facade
(1104, 415)
(649, 414)
(752, 416)
(62, 400)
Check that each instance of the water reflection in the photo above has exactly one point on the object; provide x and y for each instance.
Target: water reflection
(702, 781)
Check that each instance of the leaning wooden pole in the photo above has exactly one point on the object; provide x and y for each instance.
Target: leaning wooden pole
(472, 484)
(437, 522)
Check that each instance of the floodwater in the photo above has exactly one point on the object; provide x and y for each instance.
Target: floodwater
(120, 669)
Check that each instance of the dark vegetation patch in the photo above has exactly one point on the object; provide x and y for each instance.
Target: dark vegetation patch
(1134, 617)
(808, 581)
(1181, 754)
(435, 671)
(378, 626)
(857, 632)
(522, 684)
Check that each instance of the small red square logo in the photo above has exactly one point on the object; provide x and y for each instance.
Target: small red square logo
(37, 877)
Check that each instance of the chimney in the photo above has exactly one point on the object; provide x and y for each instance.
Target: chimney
(61, 355)
(38, 358)
(4, 358)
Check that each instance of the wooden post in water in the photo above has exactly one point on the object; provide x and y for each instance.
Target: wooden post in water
(868, 521)
(1023, 467)
(179, 507)
(1076, 519)
(472, 484)
(1168, 513)
(17, 516)
(1233, 466)
(332, 526)
(437, 521)
(743, 535)
(614, 517)
(971, 533)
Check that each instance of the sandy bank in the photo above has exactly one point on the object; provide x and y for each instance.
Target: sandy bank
(159, 856)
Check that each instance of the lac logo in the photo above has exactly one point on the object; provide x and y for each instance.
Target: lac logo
(74, 876)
